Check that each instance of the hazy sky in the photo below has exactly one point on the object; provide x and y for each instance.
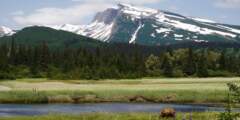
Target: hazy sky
(19, 13)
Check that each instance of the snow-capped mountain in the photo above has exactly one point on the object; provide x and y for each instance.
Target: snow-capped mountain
(131, 24)
(147, 26)
(67, 27)
(5, 31)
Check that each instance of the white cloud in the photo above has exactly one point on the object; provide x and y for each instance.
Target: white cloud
(54, 16)
(135, 2)
(228, 3)
(76, 14)
(173, 8)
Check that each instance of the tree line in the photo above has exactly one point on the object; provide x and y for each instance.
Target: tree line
(115, 61)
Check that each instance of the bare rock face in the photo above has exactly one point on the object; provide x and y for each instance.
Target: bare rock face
(106, 16)
(168, 113)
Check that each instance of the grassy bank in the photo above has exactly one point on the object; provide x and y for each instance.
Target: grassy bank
(180, 96)
(187, 90)
(107, 116)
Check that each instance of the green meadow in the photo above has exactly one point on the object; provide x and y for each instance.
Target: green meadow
(159, 90)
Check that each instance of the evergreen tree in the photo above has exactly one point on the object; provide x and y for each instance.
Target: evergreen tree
(222, 61)
(13, 50)
(3, 57)
(202, 70)
(167, 66)
(190, 66)
(44, 56)
(152, 65)
(114, 61)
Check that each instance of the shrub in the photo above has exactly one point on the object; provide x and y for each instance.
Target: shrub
(218, 73)
(233, 98)
(60, 99)
(7, 76)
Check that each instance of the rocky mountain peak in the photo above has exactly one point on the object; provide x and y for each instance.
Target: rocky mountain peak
(147, 26)
(106, 16)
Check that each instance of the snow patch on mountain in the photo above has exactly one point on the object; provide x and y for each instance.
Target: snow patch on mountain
(98, 30)
(137, 12)
(153, 35)
(190, 27)
(67, 27)
(200, 41)
(178, 36)
(154, 26)
(135, 33)
(165, 35)
(195, 37)
(203, 20)
(5, 31)
(163, 30)
(178, 39)
(174, 16)
(230, 29)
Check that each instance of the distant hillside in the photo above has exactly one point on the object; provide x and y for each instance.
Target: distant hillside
(55, 38)
(35, 35)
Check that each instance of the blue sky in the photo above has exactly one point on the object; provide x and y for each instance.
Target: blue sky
(20, 13)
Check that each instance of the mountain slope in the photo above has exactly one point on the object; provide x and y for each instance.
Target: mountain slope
(37, 35)
(130, 24)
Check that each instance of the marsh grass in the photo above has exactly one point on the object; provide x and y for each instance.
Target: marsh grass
(180, 96)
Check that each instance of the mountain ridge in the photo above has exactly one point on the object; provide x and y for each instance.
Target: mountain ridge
(109, 26)
(36, 35)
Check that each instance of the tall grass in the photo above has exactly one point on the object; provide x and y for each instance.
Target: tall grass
(171, 96)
